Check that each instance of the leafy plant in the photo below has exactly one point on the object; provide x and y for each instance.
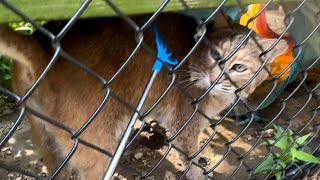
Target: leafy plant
(5, 76)
(292, 153)
(5, 71)
(25, 27)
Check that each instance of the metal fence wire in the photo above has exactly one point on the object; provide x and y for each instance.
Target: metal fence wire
(291, 171)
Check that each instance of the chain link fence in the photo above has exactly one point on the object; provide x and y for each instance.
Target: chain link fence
(293, 170)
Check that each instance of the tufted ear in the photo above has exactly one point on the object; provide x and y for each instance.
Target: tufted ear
(221, 21)
(278, 50)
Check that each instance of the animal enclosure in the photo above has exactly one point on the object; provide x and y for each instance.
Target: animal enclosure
(273, 133)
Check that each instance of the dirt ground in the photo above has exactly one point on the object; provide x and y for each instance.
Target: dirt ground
(19, 150)
(20, 153)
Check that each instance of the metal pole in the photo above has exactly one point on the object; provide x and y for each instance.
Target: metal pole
(116, 157)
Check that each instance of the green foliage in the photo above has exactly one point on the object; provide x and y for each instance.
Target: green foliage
(287, 145)
(5, 71)
(5, 76)
(25, 27)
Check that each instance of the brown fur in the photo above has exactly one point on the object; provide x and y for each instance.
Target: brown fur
(314, 74)
(70, 95)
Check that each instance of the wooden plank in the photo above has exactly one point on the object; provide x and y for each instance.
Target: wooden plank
(64, 9)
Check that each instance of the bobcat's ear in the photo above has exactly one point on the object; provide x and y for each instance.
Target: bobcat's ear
(221, 21)
(278, 50)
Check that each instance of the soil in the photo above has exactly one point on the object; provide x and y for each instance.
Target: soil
(20, 154)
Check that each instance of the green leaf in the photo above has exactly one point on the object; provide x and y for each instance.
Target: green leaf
(14, 25)
(278, 175)
(23, 28)
(293, 152)
(302, 139)
(5, 71)
(288, 158)
(4, 67)
(266, 165)
(290, 132)
(290, 135)
(42, 22)
(279, 131)
(7, 77)
(267, 142)
(307, 157)
(277, 154)
(282, 143)
(282, 164)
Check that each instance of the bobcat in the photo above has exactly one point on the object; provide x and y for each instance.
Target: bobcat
(70, 95)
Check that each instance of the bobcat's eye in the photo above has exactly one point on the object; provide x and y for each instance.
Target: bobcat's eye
(239, 67)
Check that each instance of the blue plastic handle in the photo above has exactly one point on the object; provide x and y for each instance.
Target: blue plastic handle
(163, 55)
